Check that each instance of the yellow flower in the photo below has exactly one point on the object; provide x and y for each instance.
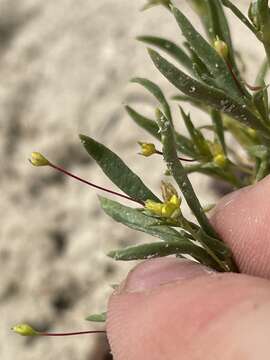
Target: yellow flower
(220, 160)
(167, 209)
(24, 330)
(147, 149)
(154, 207)
(37, 159)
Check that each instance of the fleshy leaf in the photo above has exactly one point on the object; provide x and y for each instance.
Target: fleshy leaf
(119, 173)
(202, 92)
(212, 60)
(157, 93)
(162, 248)
(170, 48)
(137, 220)
(218, 124)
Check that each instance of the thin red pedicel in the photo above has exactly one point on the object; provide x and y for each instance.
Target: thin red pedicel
(58, 168)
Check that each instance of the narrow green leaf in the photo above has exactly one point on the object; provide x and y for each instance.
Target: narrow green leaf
(196, 136)
(184, 145)
(211, 96)
(239, 14)
(212, 60)
(260, 78)
(136, 220)
(117, 170)
(97, 317)
(220, 28)
(170, 48)
(157, 93)
(219, 23)
(218, 123)
(159, 249)
(147, 124)
(201, 8)
(210, 169)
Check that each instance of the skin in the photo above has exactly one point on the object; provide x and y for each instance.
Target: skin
(170, 308)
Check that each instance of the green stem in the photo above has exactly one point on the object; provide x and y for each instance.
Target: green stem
(185, 224)
(177, 170)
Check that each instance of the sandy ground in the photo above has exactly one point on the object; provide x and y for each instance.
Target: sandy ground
(64, 69)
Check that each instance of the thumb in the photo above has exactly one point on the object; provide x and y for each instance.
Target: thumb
(169, 308)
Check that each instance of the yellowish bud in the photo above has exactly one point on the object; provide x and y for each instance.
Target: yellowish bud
(37, 159)
(221, 48)
(24, 330)
(252, 132)
(147, 149)
(220, 160)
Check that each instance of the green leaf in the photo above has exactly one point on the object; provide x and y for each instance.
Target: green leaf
(260, 78)
(152, 3)
(157, 93)
(184, 145)
(239, 14)
(201, 8)
(170, 48)
(218, 123)
(209, 95)
(117, 170)
(196, 136)
(136, 220)
(159, 249)
(220, 28)
(259, 151)
(147, 124)
(97, 317)
(219, 24)
(212, 60)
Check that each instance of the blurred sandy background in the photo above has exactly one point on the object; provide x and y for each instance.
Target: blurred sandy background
(64, 69)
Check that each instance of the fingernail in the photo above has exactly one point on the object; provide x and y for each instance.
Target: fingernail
(153, 273)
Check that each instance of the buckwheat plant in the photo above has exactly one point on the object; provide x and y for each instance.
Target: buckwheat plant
(208, 77)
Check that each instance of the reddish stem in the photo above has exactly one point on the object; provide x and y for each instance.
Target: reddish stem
(73, 333)
(94, 185)
(180, 158)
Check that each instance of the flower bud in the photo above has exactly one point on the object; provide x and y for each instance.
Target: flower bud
(221, 48)
(220, 160)
(147, 149)
(37, 159)
(24, 330)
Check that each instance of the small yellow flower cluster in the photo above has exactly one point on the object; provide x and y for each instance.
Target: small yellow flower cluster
(168, 209)
(147, 149)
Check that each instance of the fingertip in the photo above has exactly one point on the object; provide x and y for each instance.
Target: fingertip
(242, 220)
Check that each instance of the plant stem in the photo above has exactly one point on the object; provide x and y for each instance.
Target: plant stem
(58, 168)
(73, 333)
